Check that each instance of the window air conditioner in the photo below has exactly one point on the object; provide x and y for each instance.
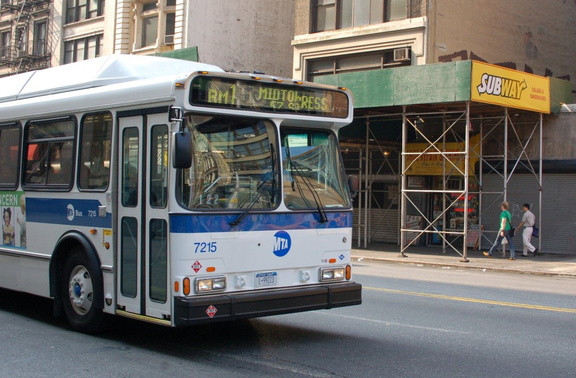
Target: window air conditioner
(169, 39)
(402, 55)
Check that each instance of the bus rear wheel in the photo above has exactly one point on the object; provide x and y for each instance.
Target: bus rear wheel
(78, 293)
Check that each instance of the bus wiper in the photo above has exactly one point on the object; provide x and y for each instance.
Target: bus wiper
(293, 182)
(315, 195)
(296, 184)
(268, 179)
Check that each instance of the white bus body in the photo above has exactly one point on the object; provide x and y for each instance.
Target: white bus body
(101, 214)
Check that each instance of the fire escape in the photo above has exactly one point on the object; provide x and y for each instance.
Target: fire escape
(25, 44)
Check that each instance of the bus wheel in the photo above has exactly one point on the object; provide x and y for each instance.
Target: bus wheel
(78, 292)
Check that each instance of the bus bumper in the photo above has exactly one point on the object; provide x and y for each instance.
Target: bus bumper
(234, 306)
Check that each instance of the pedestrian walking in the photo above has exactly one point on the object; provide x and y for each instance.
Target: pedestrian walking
(504, 232)
(528, 221)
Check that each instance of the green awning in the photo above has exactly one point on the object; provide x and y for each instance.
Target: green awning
(426, 84)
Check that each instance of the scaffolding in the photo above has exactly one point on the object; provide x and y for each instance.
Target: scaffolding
(452, 144)
(466, 136)
(376, 160)
(25, 44)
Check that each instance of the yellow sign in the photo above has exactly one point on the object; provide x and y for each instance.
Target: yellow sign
(514, 89)
(448, 159)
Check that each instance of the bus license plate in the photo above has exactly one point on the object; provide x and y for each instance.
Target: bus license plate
(266, 279)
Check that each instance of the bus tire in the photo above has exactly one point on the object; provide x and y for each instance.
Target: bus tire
(78, 293)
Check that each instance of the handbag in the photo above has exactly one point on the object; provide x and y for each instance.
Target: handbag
(535, 231)
(512, 229)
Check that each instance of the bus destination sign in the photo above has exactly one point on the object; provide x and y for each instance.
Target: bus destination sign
(255, 95)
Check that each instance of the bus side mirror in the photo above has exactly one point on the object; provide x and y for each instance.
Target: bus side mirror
(354, 185)
(176, 114)
(182, 152)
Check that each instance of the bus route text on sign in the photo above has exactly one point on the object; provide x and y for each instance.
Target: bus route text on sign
(263, 96)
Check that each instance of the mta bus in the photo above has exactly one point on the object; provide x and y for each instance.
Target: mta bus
(173, 192)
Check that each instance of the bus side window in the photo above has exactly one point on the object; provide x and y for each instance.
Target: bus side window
(96, 142)
(49, 153)
(36, 163)
(60, 165)
(9, 153)
(159, 166)
(130, 166)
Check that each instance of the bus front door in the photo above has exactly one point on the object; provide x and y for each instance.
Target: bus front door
(142, 257)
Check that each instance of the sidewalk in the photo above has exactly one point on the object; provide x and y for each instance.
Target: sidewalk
(546, 264)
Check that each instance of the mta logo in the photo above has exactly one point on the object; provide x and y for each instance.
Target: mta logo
(70, 212)
(282, 243)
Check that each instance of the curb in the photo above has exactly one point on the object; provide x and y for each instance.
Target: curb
(463, 265)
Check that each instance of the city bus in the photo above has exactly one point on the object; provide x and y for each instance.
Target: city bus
(173, 192)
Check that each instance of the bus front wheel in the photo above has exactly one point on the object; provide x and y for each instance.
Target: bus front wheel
(78, 292)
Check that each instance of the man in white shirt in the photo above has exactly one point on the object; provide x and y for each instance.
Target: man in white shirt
(528, 221)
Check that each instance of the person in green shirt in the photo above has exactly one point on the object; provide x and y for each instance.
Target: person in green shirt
(504, 232)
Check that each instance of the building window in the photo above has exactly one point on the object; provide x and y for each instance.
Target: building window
(156, 23)
(82, 49)
(170, 28)
(22, 41)
(357, 62)
(341, 14)
(325, 15)
(78, 10)
(149, 31)
(5, 47)
(39, 44)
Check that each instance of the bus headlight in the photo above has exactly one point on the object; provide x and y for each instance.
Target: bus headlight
(332, 274)
(204, 285)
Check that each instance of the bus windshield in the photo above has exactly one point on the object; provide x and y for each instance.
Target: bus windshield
(312, 173)
(234, 164)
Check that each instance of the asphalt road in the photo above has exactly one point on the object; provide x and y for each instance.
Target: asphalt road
(414, 322)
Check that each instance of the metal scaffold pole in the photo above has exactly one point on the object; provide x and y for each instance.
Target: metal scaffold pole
(403, 188)
(466, 183)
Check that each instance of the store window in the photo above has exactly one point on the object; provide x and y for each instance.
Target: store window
(83, 48)
(341, 14)
(78, 10)
(156, 23)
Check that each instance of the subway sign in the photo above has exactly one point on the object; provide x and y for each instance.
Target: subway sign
(277, 97)
(507, 87)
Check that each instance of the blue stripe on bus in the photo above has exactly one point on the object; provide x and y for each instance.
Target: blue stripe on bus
(188, 223)
(72, 212)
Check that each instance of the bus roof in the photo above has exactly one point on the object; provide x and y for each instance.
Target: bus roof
(95, 72)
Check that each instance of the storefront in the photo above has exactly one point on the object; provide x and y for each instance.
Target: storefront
(437, 148)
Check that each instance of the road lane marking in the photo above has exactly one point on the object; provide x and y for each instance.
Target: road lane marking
(284, 365)
(393, 323)
(474, 300)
